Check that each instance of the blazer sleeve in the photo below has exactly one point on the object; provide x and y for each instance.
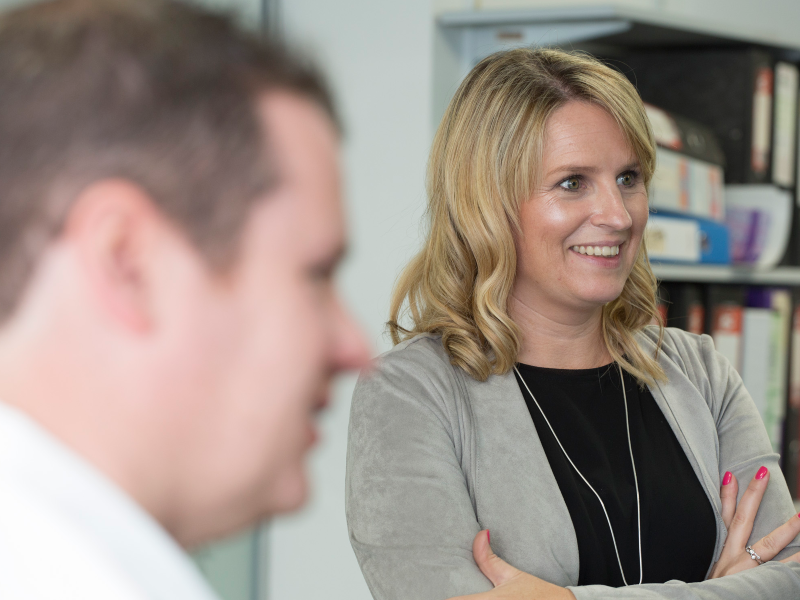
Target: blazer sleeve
(409, 514)
(743, 447)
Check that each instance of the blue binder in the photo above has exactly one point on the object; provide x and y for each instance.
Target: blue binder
(714, 238)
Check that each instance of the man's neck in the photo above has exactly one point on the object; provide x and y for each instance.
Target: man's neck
(559, 339)
(41, 378)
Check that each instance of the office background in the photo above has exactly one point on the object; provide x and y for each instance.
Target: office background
(379, 56)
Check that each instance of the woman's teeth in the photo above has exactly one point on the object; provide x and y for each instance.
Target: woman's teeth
(597, 250)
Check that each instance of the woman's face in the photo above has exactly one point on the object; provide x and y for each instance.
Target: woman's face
(582, 227)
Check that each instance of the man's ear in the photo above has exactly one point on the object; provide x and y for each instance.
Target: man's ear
(115, 226)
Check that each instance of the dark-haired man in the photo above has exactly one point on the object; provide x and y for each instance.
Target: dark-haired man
(170, 221)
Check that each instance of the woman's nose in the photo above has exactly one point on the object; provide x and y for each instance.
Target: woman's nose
(610, 210)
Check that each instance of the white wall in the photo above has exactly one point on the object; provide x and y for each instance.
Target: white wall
(379, 58)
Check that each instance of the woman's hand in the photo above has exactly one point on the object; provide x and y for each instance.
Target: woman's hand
(739, 521)
(510, 583)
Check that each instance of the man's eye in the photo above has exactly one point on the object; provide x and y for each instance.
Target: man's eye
(321, 274)
(571, 183)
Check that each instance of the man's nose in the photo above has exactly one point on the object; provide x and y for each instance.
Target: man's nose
(351, 349)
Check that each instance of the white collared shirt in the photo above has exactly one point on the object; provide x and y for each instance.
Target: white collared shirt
(68, 532)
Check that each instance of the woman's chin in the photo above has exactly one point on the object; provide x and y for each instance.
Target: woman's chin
(601, 297)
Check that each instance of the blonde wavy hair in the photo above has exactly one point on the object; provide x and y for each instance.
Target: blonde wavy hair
(483, 165)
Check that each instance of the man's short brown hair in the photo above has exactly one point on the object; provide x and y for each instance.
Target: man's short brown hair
(153, 91)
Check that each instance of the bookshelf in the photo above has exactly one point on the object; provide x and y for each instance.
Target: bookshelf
(463, 38)
(780, 276)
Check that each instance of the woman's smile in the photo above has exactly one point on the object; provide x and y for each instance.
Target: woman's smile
(597, 250)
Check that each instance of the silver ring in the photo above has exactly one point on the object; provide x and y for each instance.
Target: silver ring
(753, 555)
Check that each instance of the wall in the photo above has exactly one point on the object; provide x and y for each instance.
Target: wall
(378, 55)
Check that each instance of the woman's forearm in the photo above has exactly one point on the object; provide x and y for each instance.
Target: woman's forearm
(774, 580)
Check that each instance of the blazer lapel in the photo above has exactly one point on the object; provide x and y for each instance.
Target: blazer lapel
(516, 494)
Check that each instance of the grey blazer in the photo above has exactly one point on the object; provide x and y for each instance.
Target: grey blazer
(434, 456)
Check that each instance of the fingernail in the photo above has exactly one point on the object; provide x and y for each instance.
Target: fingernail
(727, 478)
(489, 536)
(762, 472)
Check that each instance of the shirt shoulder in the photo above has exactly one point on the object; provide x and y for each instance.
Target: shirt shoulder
(44, 556)
(421, 360)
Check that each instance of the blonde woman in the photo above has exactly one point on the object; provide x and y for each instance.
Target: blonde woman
(528, 393)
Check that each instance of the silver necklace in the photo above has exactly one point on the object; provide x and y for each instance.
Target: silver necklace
(633, 464)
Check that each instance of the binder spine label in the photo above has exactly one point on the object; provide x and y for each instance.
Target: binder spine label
(687, 185)
(695, 319)
(785, 130)
(794, 377)
(726, 330)
(762, 121)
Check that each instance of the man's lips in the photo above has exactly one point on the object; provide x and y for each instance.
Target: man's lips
(322, 403)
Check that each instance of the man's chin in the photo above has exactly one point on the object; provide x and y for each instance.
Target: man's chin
(288, 493)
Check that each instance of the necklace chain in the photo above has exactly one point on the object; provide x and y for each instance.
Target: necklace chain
(633, 464)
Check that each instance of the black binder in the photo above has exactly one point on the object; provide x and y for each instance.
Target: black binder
(729, 90)
(685, 308)
(693, 139)
(719, 295)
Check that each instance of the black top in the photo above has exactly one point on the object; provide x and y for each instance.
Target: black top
(587, 412)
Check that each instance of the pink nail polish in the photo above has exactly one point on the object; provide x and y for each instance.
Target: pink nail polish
(727, 478)
(489, 536)
(762, 472)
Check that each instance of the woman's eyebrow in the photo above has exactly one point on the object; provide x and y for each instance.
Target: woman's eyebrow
(573, 169)
(588, 169)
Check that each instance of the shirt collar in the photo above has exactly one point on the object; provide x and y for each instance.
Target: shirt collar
(32, 458)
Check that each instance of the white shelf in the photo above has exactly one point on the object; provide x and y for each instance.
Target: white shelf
(715, 274)
(647, 27)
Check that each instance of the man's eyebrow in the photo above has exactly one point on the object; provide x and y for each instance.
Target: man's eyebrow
(574, 168)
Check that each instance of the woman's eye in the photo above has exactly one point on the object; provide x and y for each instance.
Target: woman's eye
(571, 183)
(627, 179)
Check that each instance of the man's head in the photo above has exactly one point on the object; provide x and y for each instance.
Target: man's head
(170, 221)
